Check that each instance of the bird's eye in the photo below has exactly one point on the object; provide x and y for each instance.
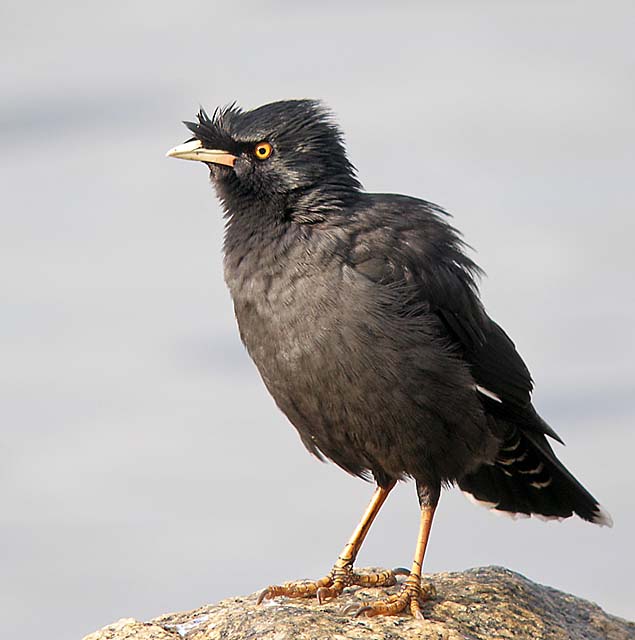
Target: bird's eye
(263, 150)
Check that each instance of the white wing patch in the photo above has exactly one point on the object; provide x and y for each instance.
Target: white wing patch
(486, 392)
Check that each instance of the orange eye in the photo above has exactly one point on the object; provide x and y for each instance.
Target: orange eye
(263, 150)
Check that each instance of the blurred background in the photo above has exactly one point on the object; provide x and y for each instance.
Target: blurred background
(139, 451)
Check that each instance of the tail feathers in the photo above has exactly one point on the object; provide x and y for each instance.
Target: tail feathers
(527, 478)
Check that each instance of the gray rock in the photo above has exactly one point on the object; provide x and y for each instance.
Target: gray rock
(478, 604)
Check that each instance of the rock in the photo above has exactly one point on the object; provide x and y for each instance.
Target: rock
(478, 604)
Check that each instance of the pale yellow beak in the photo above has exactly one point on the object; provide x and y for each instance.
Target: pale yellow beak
(196, 151)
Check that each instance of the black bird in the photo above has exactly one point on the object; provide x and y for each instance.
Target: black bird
(361, 312)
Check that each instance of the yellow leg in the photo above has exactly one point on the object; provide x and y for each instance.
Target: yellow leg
(342, 574)
(411, 594)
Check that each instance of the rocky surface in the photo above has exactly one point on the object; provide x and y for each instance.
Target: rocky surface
(478, 604)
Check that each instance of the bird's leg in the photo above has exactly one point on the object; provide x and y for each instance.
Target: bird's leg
(411, 594)
(342, 574)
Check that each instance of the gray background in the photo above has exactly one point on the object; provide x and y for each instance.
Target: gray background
(143, 466)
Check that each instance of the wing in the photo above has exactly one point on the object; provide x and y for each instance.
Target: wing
(410, 245)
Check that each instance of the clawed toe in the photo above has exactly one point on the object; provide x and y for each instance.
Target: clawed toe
(297, 589)
(411, 597)
(331, 585)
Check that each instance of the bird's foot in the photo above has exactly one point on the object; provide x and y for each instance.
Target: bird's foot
(410, 597)
(331, 585)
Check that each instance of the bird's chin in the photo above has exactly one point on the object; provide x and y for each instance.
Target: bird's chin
(220, 175)
(218, 170)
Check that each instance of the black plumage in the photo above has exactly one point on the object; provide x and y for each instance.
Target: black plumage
(361, 312)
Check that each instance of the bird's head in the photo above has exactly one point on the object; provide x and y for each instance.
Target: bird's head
(286, 156)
